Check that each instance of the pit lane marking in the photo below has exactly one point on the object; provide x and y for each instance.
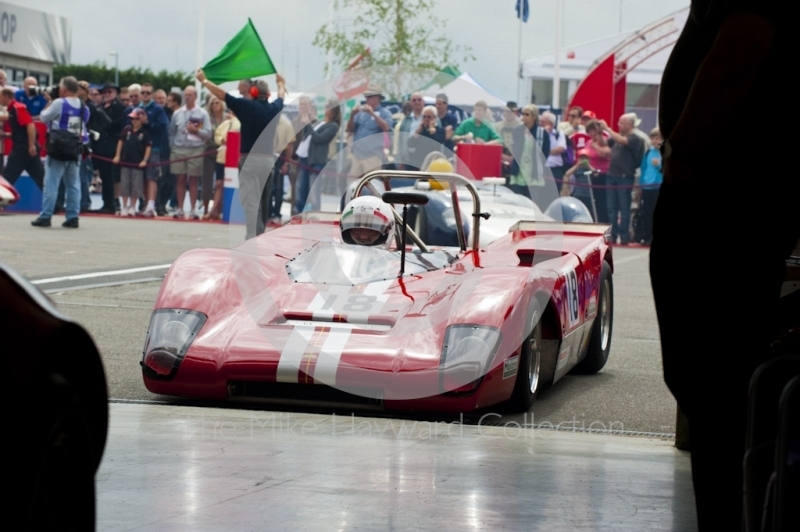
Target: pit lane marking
(109, 273)
(102, 285)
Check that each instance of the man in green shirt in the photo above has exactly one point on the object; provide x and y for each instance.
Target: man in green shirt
(475, 129)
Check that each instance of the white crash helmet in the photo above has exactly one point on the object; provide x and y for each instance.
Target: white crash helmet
(367, 212)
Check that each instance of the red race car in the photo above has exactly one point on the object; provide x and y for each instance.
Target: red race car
(316, 312)
(8, 194)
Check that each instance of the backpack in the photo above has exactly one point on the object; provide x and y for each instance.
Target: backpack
(63, 145)
(569, 154)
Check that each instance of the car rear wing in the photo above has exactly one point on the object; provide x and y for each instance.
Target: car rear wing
(561, 228)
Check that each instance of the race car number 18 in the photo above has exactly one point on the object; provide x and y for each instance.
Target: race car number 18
(572, 297)
(355, 303)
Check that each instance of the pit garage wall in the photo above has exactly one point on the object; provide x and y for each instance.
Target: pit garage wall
(18, 68)
(31, 42)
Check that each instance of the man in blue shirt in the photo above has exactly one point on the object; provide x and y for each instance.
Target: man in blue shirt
(259, 122)
(35, 103)
(156, 122)
(371, 126)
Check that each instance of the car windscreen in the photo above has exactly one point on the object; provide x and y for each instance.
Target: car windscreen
(346, 264)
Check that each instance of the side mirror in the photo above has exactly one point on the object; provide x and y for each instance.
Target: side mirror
(405, 199)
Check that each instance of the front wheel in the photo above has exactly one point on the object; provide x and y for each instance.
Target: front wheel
(600, 341)
(528, 382)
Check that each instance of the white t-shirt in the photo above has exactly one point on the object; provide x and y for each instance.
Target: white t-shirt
(302, 148)
(556, 160)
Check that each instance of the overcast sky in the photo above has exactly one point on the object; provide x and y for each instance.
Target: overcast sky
(163, 34)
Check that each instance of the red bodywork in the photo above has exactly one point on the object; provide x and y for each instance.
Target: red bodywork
(263, 327)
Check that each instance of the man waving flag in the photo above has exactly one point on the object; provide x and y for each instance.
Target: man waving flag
(244, 57)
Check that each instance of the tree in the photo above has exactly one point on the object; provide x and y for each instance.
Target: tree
(98, 73)
(405, 43)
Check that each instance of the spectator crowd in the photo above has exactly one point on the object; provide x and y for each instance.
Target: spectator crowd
(146, 149)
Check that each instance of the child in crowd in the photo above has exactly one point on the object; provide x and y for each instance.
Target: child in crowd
(578, 181)
(133, 151)
(650, 181)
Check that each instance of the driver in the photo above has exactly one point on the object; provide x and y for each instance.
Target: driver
(367, 221)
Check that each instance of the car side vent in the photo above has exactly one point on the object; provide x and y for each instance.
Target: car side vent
(531, 257)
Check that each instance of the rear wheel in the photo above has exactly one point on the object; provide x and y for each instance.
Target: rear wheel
(600, 341)
(528, 382)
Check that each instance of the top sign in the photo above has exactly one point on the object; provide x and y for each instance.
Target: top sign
(35, 34)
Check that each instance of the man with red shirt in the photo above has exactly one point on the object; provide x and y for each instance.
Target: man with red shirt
(24, 154)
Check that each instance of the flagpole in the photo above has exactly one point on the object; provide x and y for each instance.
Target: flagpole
(519, 58)
(329, 76)
(557, 64)
(200, 28)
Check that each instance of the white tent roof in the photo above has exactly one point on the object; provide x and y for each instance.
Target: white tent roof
(465, 91)
(575, 61)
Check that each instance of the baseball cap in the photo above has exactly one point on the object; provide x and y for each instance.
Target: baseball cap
(138, 111)
(588, 114)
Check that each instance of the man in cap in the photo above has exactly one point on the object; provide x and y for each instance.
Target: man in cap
(105, 147)
(259, 119)
(368, 123)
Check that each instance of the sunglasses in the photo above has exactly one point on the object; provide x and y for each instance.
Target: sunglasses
(146, 92)
(574, 116)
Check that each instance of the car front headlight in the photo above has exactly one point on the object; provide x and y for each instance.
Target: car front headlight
(169, 336)
(467, 352)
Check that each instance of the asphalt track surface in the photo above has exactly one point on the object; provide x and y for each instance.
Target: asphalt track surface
(106, 276)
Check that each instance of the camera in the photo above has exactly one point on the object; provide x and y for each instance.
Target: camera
(52, 90)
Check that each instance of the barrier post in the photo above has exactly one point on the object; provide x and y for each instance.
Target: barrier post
(232, 211)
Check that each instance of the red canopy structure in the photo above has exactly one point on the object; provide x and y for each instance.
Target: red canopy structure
(603, 90)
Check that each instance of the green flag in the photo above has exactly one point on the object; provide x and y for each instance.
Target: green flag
(445, 76)
(244, 57)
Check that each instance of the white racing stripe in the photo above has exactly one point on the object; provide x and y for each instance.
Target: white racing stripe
(292, 355)
(325, 305)
(100, 274)
(329, 357)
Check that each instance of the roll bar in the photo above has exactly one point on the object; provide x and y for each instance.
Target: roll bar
(454, 180)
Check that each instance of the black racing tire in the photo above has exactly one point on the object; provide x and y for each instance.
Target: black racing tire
(600, 340)
(529, 375)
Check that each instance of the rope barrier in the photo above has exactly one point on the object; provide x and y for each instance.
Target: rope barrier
(150, 165)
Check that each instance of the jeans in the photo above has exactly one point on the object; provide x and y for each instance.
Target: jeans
(647, 208)
(305, 186)
(618, 200)
(86, 173)
(69, 171)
